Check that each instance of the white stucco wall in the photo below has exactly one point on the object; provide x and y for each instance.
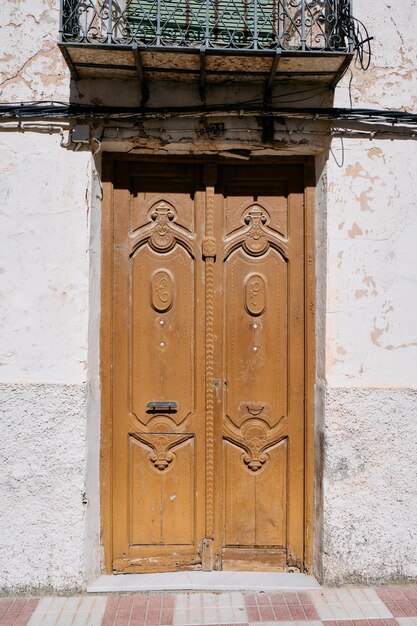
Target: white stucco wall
(43, 362)
(369, 421)
(42, 481)
(44, 260)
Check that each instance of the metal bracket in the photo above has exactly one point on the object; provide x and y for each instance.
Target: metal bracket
(270, 82)
(202, 86)
(141, 75)
(72, 68)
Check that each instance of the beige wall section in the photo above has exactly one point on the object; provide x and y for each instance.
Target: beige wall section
(391, 80)
(372, 261)
(367, 416)
(44, 260)
(48, 390)
(31, 65)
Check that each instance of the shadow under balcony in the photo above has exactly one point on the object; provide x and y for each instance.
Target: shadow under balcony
(208, 41)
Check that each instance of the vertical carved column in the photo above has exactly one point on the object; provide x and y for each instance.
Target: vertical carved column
(209, 254)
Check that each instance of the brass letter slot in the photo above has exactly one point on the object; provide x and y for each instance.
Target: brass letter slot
(162, 406)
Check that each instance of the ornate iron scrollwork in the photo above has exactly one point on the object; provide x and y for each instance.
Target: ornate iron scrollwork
(293, 25)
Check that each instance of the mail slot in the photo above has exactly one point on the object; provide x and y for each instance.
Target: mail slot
(162, 406)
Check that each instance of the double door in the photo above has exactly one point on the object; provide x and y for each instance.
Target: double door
(207, 367)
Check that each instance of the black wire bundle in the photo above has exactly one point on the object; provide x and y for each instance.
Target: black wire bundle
(60, 110)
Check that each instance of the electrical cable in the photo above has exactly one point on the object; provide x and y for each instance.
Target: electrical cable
(52, 110)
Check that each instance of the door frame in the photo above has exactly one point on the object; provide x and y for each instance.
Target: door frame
(106, 327)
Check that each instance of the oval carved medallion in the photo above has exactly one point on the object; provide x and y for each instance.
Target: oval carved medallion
(162, 290)
(255, 294)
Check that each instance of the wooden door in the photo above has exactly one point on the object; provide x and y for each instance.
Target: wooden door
(207, 367)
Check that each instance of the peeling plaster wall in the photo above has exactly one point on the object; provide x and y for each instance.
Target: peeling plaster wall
(43, 362)
(48, 536)
(369, 426)
(372, 261)
(31, 65)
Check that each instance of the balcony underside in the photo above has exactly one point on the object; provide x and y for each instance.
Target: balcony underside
(214, 66)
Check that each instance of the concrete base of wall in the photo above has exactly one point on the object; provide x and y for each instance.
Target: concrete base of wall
(42, 474)
(370, 486)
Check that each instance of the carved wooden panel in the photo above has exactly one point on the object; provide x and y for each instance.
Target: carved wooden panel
(177, 186)
(256, 337)
(161, 489)
(255, 502)
(162, 329)
(260, 185)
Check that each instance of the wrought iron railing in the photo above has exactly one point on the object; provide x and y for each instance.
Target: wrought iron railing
(287, 25)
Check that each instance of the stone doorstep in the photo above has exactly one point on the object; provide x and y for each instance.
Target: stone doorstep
(203, 581)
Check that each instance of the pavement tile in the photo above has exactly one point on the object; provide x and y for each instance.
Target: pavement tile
(408, 608)
(401, 601)
(303, 623)
(263, 599)
(297, 612)
(282, 613)
(74, 611)
(397, 593)
(109, 618)
(17, 612)
(168, 601)
(310, 612)
(392, 606)
(126, 602)
(385, 606)
(155, 601)
(17, 606)
(211, 615)
(266, 613)
(410, 592)
(112, 603)
(167, 616)
(122, 617)
(7, 619)
(5, 605)
(253, 613)
(153, 617)
(358, 604)
(286, 606)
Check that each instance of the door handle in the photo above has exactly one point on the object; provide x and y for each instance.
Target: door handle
(156, 405)
(255, 410)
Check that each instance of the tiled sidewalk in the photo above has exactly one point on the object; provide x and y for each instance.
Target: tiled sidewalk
(386, 606)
